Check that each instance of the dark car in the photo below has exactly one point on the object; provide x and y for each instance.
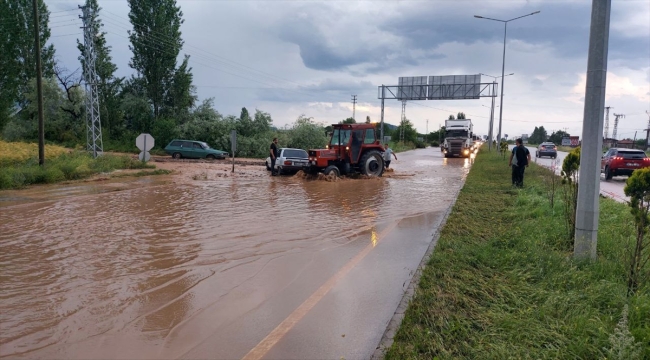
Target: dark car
(620, 161)
(546, 149)
(193, 150)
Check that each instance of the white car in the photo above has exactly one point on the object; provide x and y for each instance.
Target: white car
(289, 160)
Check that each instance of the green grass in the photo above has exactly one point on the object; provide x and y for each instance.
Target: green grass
(73, 166)
(501, 283)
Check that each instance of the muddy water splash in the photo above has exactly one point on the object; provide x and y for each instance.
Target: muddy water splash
(122, 274)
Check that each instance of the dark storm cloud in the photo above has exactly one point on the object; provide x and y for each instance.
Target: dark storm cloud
(329, 90)
(564, 27)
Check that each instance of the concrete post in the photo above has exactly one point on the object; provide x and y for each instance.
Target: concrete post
(587, 212)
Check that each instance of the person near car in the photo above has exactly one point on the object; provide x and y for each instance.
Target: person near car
(387, 153)
(519, 160)
(274, 154)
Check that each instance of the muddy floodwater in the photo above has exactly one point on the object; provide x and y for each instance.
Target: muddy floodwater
(216, 267)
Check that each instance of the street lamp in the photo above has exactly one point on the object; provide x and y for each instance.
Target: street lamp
(503, 63)
(490, 135)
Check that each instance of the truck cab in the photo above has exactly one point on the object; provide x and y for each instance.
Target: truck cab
(459, 139)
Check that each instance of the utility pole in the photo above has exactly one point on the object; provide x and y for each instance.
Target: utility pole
(647, 132)
(616, 117)
(354, 106)
(427, 135)
(401, 128)
(381, 131)
(607, 121)
(39, 87)
(587, 211)
(93, 123)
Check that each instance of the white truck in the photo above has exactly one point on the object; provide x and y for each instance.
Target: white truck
(459, 141)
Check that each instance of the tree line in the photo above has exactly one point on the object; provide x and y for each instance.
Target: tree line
(159, 98)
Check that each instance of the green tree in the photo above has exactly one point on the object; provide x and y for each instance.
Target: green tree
(108, 86)
(556, 137)
(410, 134)
(538, 136)
(305, 134)
(451, 117)
(155, 43)
(17, 53)
(367, 119)
(348, 121)
(461, 115)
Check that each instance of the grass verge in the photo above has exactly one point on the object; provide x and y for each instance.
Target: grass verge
(68, 166)
(501, 283)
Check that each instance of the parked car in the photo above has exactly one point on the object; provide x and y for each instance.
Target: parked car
(546, 149)
(289, 160)
(620, 161)
(193, 150)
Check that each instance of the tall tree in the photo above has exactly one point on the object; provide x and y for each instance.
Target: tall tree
(349, 121)
(108, 86)
(451, 117)
(17, 60)
(156, 42)
(461, 115)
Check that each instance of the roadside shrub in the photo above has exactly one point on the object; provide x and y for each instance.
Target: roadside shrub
(638, 189)
(54, 174)
(435, 144)
(570, 167)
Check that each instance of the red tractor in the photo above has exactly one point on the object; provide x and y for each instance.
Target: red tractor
(353, 148)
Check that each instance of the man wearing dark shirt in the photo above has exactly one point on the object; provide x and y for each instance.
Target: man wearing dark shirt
(519, 159)
(274, 154)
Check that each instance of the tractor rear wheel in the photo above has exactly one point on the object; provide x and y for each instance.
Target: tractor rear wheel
(332, 170)
(371, 164)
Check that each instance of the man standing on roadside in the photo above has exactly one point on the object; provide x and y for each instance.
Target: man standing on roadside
(274, 154)
(387, 153)
(519, 160)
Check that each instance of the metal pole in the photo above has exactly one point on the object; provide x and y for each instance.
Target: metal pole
(587, 212)
(503, 69)
(491, 132)
(382, 114)
(39, 87)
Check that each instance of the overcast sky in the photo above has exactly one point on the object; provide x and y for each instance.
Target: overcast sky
(308, 57)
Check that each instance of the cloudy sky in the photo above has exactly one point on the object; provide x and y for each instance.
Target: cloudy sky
(293, 57)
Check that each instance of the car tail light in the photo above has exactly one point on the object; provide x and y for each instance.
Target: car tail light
(286, 162)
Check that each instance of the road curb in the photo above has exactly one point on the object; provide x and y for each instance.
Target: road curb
(387, 338)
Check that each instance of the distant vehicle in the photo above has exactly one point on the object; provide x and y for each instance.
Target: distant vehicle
(620, 161)
(353, 148)
(289, 160)
(193, 150)
(546, 149)
(458, 138)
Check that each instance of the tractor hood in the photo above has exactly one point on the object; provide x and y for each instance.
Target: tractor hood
(322, 153)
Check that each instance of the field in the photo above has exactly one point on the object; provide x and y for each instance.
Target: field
(19, 165)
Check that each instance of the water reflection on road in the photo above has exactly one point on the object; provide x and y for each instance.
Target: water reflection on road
(129, 273)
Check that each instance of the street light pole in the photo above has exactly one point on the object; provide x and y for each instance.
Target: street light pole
(503, 63)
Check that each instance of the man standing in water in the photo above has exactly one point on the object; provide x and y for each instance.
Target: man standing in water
(387, 153)
(274, 154)
(519, 160)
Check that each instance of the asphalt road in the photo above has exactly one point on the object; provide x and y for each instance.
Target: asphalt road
(612, 189)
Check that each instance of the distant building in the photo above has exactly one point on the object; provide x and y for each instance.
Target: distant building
(628, 144)
(609, 143)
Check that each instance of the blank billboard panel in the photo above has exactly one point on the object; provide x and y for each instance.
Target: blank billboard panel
(412, 88)
(453, 87)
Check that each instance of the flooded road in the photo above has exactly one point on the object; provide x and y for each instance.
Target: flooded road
(260, 267)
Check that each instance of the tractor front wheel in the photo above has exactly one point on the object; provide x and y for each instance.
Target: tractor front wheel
(371, 164)
(332, 170)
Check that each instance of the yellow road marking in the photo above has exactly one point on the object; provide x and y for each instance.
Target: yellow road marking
(278, 333)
